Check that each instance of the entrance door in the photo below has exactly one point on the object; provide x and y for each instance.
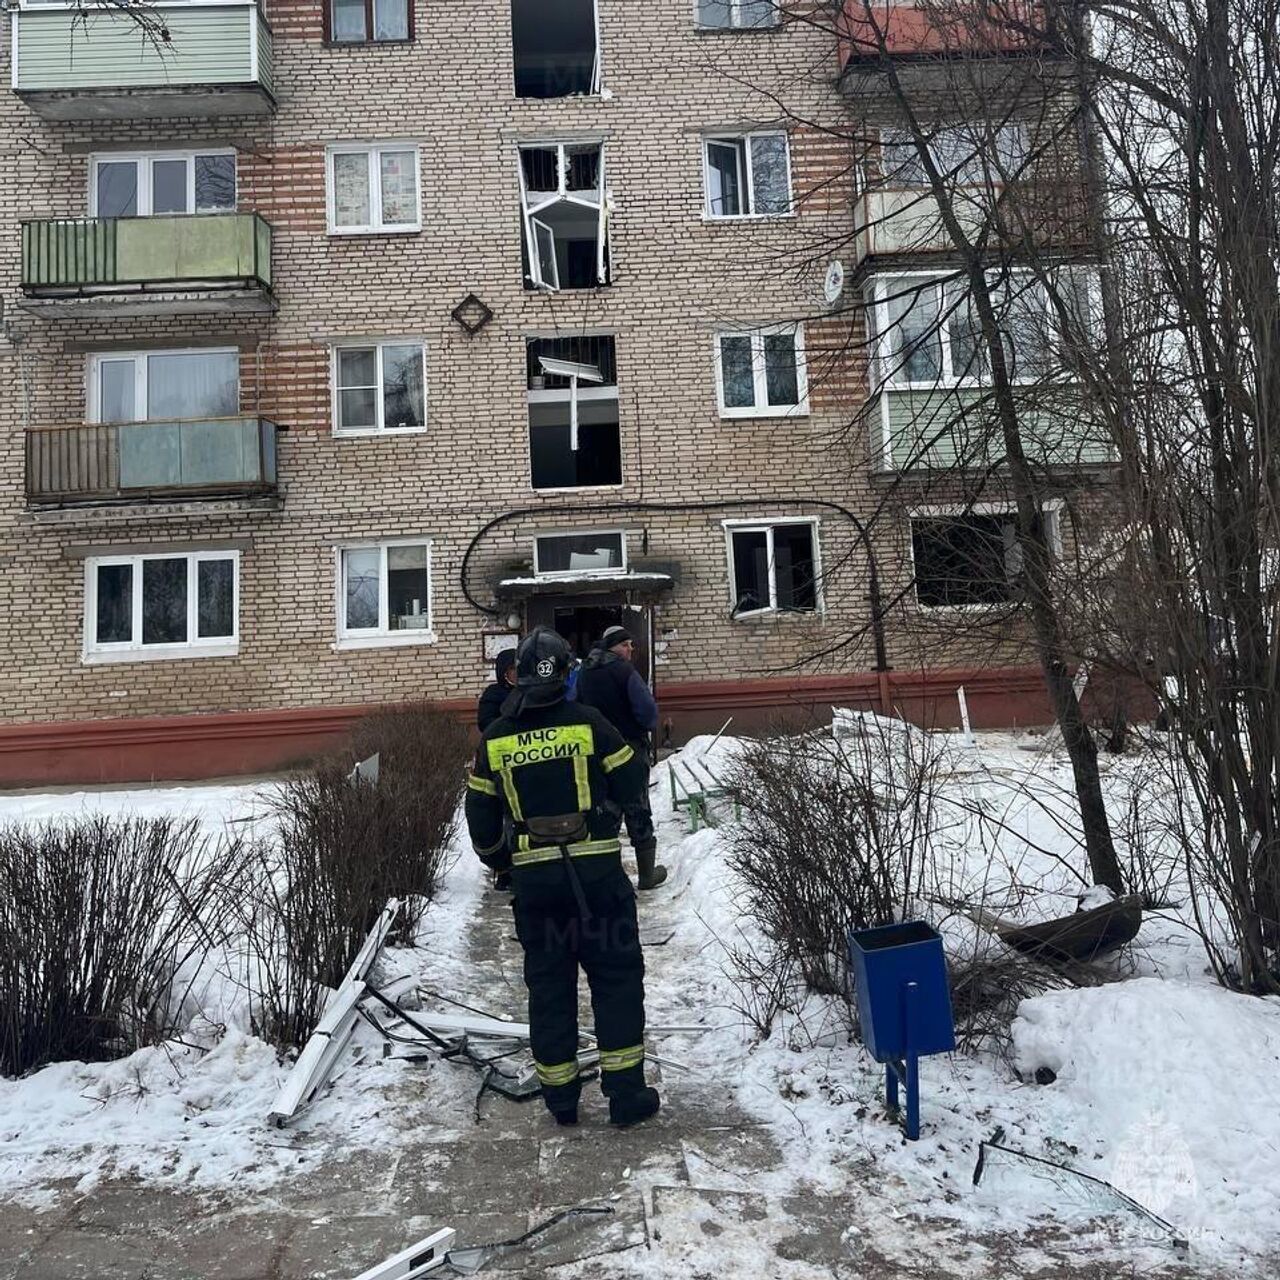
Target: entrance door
(582, 620)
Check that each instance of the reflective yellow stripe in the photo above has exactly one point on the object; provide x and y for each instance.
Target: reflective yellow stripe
(513, 796)
(482, 785)
(525, 856)
(621, 1059)
(537, 746)
(561, 1073)
(583, 783)
(617, 760)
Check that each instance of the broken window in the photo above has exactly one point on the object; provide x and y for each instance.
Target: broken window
(721, 14)
(579, 553)
(565, 210)
(555, 47)
(153, 606)
(773, 567)
(967, 559)
(748, 176)
(761, 373)
(574, 441)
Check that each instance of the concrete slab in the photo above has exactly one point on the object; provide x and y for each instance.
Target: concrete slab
(72, 1254)
(580, 1239)
(238, 1246)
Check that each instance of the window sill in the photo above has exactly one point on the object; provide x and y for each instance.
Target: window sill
(1004, 606)
(367, 44)
(770, 411)
(582, 488)
(159, 653)
(772, 615)
(349, 233)
(378, 433)
(701, 30)
(389, 640)
(748, 217)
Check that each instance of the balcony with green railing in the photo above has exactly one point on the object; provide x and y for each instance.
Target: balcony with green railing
(142, 461)
(73, 61)
(172, 264)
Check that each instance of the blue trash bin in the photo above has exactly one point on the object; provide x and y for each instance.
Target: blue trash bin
(904, 1002)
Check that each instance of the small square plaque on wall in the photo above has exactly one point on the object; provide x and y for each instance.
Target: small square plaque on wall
(496, 641)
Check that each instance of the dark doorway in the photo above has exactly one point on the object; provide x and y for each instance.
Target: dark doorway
(583, 625)
(582, 621)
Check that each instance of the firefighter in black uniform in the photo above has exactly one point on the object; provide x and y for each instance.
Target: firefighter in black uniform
(545, 799)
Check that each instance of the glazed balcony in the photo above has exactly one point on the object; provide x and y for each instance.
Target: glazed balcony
(168, 265)
(72, 62)
(113, 462)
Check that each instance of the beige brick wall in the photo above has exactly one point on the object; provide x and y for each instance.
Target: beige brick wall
(676, 278)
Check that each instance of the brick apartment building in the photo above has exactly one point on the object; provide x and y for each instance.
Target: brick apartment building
(346, 339)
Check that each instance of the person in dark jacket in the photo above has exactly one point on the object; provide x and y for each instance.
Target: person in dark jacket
(489, 707)
(544, 799)
(608, 682)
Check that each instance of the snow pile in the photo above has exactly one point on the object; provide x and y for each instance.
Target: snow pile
(1176, 1085)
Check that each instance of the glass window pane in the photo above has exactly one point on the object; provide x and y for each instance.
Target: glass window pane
(725, 169)
(782, 378)
(769, 176)
(390, 19)
(915, 344)
(736, 372)
(215, 598)
(351, 189)
(348, 20)
(399, 188)
(117, 388)
(357, 367)
(757, 13)
(118, 189)
(715, 13)
(358, 410)
(196, 384)
(215, 182)
(169, 186)
(360, 571)
(579, 553)
(1023, 311)
(961, 560)
(407, 588)
(964, 334)
(794, 569)
(900, 164)
(164, 601)
(750, 570)
(114, 621)
(402, 389)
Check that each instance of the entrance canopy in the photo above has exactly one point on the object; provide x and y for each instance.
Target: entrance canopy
(587, 583)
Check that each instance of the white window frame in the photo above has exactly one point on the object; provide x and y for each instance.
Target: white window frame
(735, 23)
(1051, 508)
(762, 409)
(372, 151)
(93, 395)
(767, 527)
(133, 650)
(746, 175)
(382, 636)
(531, 207)
(539, 572)
(142, 161)
(364, 344)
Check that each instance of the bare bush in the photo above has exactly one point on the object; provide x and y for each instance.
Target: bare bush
(833, 838)
(97, 919)
(344, 847)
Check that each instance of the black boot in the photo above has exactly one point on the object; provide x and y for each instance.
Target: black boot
(633, 1106)
(651, 876)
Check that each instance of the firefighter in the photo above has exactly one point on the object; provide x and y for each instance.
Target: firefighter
(545, 799)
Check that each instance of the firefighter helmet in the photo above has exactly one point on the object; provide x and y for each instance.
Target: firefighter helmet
(542, 663)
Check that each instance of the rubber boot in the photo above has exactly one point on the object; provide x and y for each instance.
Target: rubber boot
(651, 875)
(633, 1106)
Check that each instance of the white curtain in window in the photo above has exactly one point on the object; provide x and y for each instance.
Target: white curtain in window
(196, 384)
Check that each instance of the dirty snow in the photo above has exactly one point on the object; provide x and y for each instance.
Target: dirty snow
(1164, 1084)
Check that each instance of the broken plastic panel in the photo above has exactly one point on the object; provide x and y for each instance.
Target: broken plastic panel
(468, 1261)
(564, 207)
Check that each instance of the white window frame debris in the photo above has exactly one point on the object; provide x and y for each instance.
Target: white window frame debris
(545, 277)
(429, 1254)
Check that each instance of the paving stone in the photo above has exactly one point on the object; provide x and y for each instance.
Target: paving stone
(729, 1157)
(21, 1232)
(133, 1208)
(482, 1174)
(593, 1162)
(239, 1246)
(72, 1254)
(579, 1239)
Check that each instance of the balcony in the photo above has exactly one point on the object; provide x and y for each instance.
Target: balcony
(72, 62)
(115, 462)
(169, 265)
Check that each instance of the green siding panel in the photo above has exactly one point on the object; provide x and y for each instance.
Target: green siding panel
(68, 50)
(942, 429)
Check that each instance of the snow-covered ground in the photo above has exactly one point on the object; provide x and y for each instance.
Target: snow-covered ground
(1163, 1083)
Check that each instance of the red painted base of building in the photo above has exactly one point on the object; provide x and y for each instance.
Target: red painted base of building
(222, 744)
